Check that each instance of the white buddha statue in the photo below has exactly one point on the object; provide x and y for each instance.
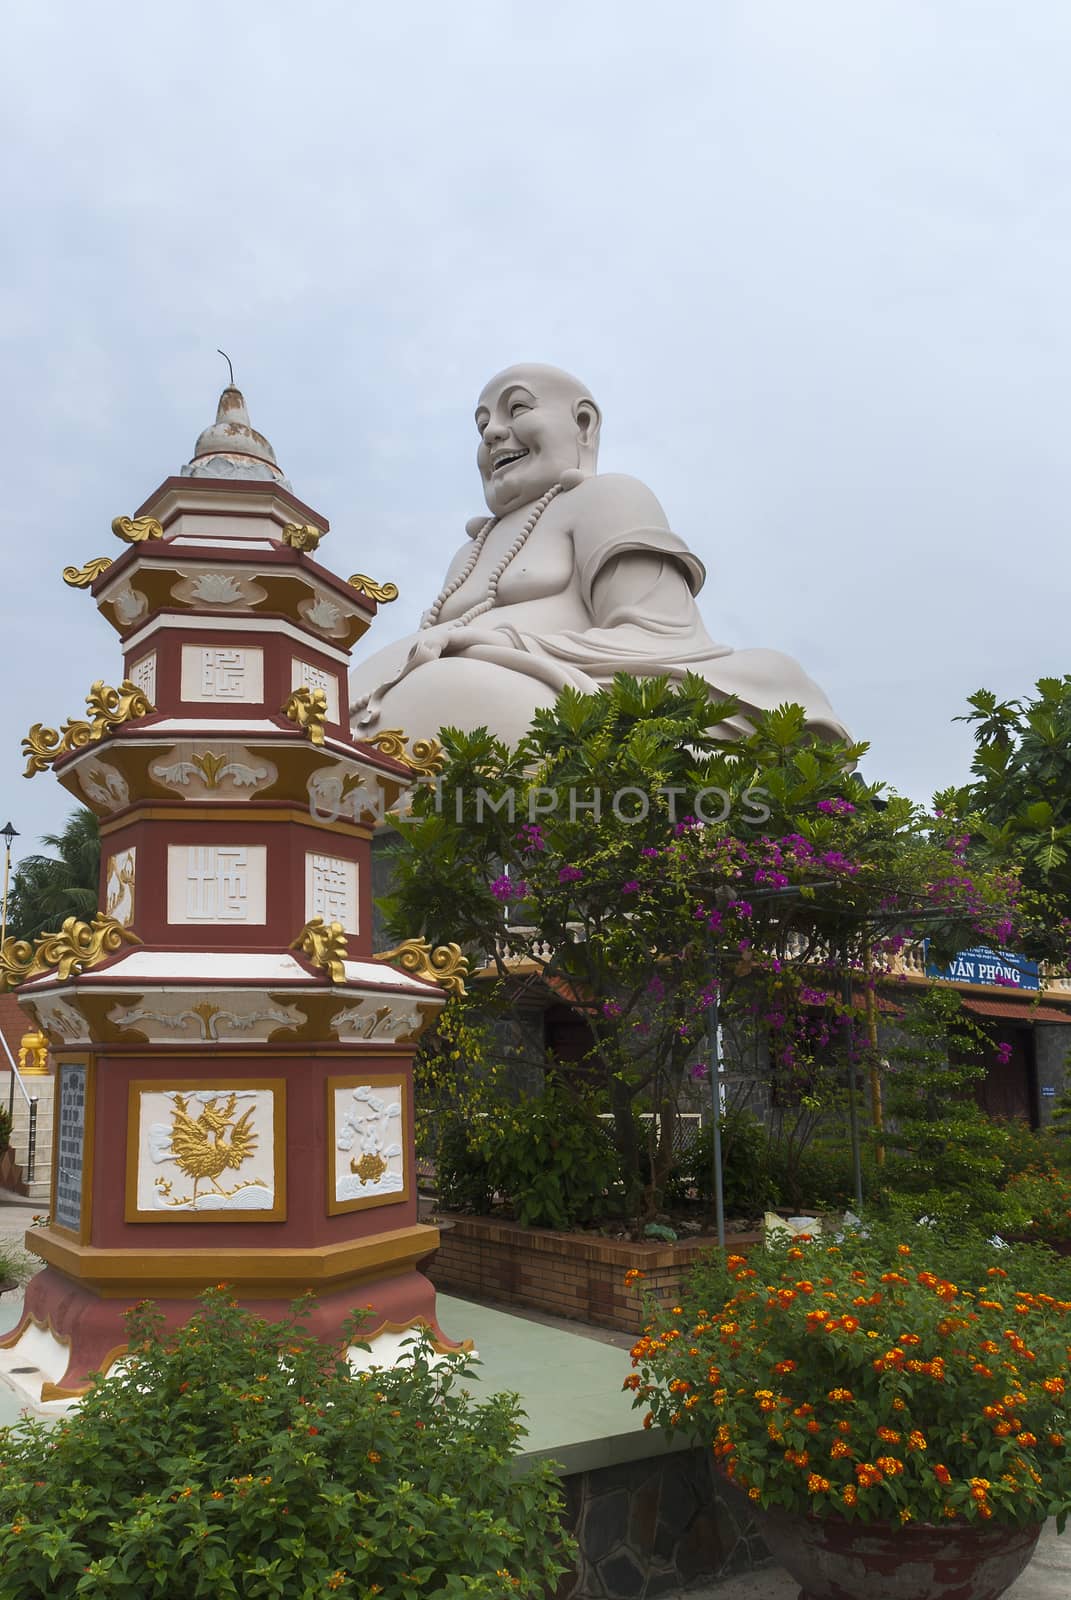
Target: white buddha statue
(573, 577)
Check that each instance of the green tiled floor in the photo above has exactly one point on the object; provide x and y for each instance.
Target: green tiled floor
(569, 1383)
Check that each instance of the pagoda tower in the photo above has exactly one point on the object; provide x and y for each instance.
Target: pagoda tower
(234, 1098)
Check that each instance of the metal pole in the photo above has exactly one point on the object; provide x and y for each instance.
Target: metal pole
(3, 939)
(31, 1145)
(877, 1109)
(715, 1093)
(853, 1110)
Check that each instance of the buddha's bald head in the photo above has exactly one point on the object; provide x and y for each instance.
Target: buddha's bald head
(536, 424)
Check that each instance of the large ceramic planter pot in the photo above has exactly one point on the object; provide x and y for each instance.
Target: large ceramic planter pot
(833, 1560)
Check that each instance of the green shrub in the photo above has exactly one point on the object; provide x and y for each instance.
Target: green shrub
(5, 1129)
(1037, 1205)
(821, 1176)
(463, 1170)
(1024, 1146)
(554, 1160)
(747, 1183)
(240, 1460)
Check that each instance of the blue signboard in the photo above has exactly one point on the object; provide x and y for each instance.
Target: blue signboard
(1001, 968)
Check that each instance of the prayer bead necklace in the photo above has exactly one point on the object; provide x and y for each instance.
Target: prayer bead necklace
(478, 543)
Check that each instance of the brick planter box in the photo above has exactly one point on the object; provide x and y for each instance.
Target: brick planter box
(575, 1275)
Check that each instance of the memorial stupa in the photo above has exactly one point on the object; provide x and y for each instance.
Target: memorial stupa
(234, 1094)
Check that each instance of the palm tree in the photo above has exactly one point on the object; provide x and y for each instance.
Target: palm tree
(47, 889)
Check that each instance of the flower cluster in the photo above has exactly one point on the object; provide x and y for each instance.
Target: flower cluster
(840, 1385)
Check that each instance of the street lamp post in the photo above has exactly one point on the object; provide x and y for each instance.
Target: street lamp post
(8, 834)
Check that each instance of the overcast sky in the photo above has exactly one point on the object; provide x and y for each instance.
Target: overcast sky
(812, 256)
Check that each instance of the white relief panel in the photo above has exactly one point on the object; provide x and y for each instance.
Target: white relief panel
(119, 886)
(205, 1150)
(143, 673)
(373, 1018)
(216, 883)
(103, 785)
(331, 890)
(222, 673)
(316, 678)
(167, 1018)
(369, 1142)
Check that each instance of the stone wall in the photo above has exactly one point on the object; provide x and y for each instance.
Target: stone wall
(654, 1526)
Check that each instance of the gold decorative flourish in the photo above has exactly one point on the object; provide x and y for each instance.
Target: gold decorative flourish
(381, 592)
(75, 947)
(424, 761)
(199, 1148)
(302, 535)
(82, 577)
(369, 1169)
(107, 708)
(308, 708)
(325, 945)
(444, 965)
(209, 766)
(41, 745)
(135, 530)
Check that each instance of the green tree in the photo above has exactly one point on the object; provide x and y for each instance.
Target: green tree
(46, 889)
(1017, 808)
(647, 862)
(944, 1156)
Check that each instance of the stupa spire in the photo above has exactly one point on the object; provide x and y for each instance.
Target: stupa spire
(231, 447)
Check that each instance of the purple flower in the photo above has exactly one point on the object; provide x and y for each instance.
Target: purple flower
(699, 1073)
(741, 907)
(610, 1008)
(531, 837)
(505, 889)
(631, 887)
(1004, 1053)
(650, 853)
(836, 808)
(570, 874)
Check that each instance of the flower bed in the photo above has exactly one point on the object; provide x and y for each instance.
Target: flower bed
(863, 1382)
(575, 1275)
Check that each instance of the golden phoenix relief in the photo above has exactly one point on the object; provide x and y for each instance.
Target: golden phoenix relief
(213, 1150)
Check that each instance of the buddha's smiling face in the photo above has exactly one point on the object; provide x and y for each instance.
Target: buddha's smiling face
(535, 424)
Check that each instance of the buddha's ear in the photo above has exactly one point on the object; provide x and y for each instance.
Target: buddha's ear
(588, 422)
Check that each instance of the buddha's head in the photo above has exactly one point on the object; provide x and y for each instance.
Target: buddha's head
(536, 424)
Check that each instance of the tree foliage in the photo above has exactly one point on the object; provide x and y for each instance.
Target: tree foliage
(46, 889)
(1017, 807)
(650, 865)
